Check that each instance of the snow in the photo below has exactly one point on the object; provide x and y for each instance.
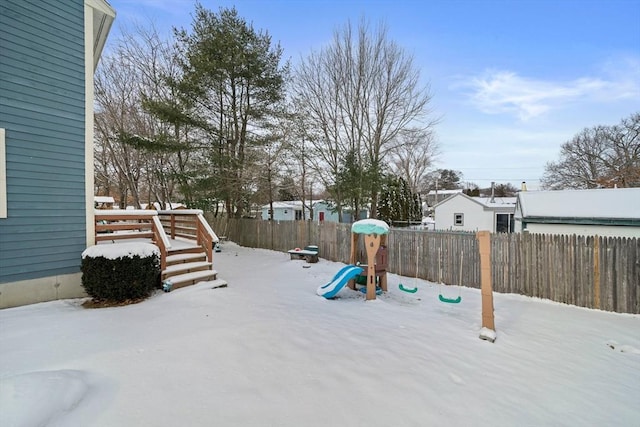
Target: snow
(292, 204)
(267, 351)
(103, 199)
(56, 393)
(121, 250)
(441, 192)
(370, 226)
(497, 201)
(488, 334)
(182, 212)
(128, 212)
(596, 203)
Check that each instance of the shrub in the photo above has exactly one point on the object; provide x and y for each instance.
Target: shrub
(120, 272)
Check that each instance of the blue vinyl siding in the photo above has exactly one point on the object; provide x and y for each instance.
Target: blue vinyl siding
(42, 98)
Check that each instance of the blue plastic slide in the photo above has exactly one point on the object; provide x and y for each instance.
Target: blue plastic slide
(339, 280)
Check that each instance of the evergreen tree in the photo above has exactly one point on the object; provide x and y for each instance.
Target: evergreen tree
(397, 202)
(353, 183)
(231, 84)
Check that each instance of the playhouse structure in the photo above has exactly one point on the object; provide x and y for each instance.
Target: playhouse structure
(375, 241)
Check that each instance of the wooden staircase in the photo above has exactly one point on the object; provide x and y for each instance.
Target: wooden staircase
(184, 238)
(187, 266)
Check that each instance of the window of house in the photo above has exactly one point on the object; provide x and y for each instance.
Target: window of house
(298, 215)
(3, 176)
(504, 223)
(458, 219)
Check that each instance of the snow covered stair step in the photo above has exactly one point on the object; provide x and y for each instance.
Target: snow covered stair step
(185, 257)
(191, 278)
(187, 267)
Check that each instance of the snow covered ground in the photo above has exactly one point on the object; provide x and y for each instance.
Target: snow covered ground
(267, 351)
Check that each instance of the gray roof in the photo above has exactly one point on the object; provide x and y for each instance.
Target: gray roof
(597, 203)
(497, 203)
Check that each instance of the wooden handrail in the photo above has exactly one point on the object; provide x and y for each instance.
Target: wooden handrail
(132, 224)
(162, 241)
(207, 236)
(190, 224)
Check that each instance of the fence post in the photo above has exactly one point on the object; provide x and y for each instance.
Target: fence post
(488, 326)
(596, 272)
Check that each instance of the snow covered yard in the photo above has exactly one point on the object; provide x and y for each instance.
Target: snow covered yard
(267, 351)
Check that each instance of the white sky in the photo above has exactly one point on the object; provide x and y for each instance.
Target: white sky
(267, 351)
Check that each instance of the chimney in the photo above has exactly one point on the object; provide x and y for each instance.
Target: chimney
(523, 187)
(493, 192)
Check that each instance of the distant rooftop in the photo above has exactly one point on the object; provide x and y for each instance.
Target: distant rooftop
(434, 192)
(497, 201)
(597, 203)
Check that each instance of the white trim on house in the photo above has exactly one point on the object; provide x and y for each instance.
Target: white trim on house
(3, 175)
(101, 20)
(98, 17)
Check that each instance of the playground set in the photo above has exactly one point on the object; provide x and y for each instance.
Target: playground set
(375, 238)
(375, 241)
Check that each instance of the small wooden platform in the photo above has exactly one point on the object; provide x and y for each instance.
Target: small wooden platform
(307, 255)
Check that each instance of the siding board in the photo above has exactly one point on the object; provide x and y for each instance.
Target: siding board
(42, 106)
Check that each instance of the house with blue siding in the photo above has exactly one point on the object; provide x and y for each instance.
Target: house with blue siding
(322, 210)
(325, 210)
(50, 49)
(286, 211)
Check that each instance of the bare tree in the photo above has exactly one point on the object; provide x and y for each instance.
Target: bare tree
(300, 153)
(602, 156)
(359, 93)
(414, 156)
(443, 179)
(154, 60)
(272, 162)
(622, 160)
(131, 72)
(117, 104)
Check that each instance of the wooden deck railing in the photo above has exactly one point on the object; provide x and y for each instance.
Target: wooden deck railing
(119, 225)
(157, 226)
(189, 224)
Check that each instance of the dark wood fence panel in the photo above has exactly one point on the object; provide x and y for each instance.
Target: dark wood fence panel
(593, 272)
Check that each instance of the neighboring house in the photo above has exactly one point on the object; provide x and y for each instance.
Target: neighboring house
(602, 212)
(464, 213)
(434, 197)
(49, 52)
(286, 211)
(426, 209)
(427, 223)
(324, 210)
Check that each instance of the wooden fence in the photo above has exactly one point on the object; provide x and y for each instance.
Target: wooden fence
(593, 272)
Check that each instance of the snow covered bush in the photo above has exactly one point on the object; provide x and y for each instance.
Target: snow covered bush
(120, 272)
